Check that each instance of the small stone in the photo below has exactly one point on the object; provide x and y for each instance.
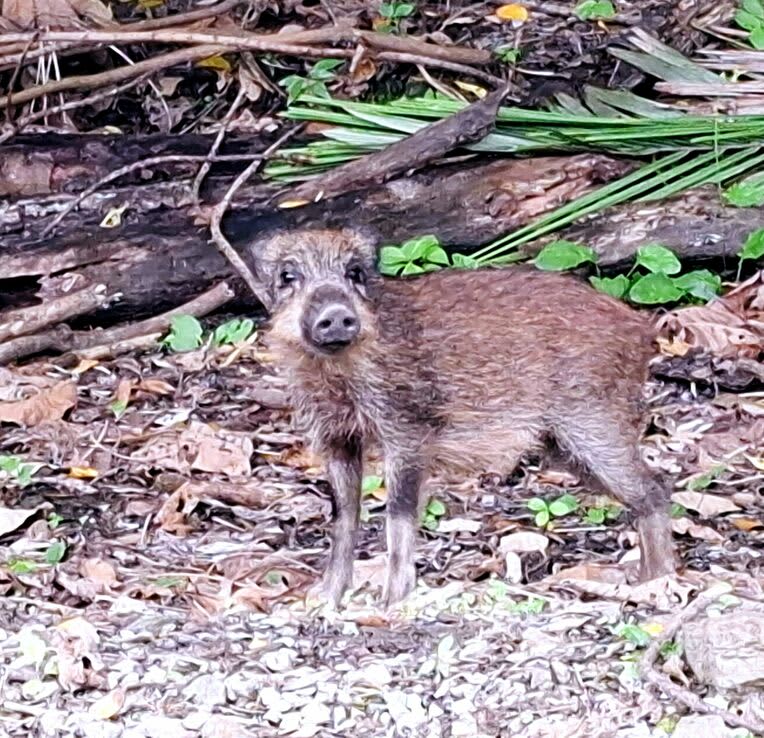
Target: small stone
(207, 690)
(707, 726)
(279, 660)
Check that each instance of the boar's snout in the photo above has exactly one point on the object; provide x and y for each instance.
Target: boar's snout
(330, 323)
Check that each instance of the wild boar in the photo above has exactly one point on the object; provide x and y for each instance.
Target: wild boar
(462, 370)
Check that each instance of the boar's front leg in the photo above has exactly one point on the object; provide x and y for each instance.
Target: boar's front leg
(344, 468)
(403, 478)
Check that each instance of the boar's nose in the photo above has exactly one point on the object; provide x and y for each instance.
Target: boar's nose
(335, 327)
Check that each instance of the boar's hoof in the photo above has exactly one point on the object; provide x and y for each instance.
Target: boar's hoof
(325, 593)
(399, 584)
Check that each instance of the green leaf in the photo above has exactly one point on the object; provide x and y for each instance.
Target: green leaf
(655, 289)
(754, 7)
(563, 506)
(416, 248)
(746, 193)
(371, 484)
(677, 510)
(756, 38)
(430, 522)
(589, 9)
(634, 634)
(658, 259)
(747, 20)
(118, 407)
(536, 504)
(392, 260)
(396, 10)
(753, 248)
(54, 520)
(507, 54)
(461, 261)
(560, 255)
(613, 512)
(437, 255)
(701, 283)
(22, 566)
(542, 518)
(595, 515)
(234, 331)
(55, 552)
(185, 333)
(613, 286)
(436, 508)
(323, 70)
(411, 268)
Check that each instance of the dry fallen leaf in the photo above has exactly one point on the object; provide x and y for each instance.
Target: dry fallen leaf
(10, 519)
(523, 542)
(83, 472)
(705, 504)
(685, 526)
(47, 404)
(100, 573)
(109, 705)
(55, 14)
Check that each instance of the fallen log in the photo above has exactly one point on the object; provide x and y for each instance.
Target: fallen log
(160, 257)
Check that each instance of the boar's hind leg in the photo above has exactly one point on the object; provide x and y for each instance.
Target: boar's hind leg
(403, 482)
(611, 453)
(344, 469)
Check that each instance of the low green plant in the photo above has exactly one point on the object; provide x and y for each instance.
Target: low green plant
(54, 520)
(185, 334)
(233, 331)
(750, 16)
(419, 255)
(432, 514)
(654, 278)
(393, 13)
(702, 481)
(56, 552)
(415, 256)
(20, 567)
(529, 606)
(507, 54)
(314, 85)
(600, 515)
(595, 10)
(545, 511)
(752, 250)
(677, 510)
(633, 634)
(20, 471)
(747, 193)
(118, 407)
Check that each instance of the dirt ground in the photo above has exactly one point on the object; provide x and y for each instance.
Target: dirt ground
(156, 552)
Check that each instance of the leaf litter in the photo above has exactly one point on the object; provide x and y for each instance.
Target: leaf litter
(174, 603)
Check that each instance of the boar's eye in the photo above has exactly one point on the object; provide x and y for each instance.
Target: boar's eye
(356, 274)
(287, 276)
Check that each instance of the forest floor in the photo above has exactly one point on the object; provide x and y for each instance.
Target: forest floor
(163, 520)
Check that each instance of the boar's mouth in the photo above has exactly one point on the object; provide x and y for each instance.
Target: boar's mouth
(333, 347)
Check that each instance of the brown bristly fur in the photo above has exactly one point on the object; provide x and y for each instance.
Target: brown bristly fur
(463, 371)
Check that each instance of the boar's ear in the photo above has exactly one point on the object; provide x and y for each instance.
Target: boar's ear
(254, 258)
(366, 239)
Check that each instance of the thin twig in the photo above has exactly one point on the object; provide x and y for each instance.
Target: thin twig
(15, 76)
(202, 173)
(677, 692)
(220, 209)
